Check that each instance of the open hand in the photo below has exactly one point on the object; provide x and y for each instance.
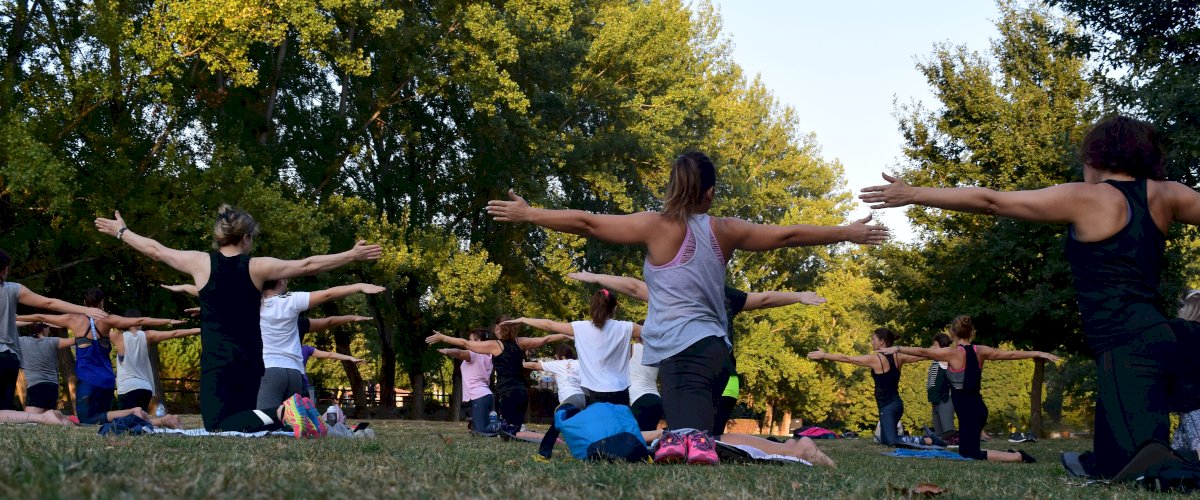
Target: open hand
(518, 321)
(896, 193)
(818, 354)
(811, 299)
(95, 313)
(366, 251)
(110, 226)
(363, 318)
(514, 210)
(864, 234)
(435, 338)
(889, 350)
(583, 276)
(370, 289)
(192, 311)
(1049, 357)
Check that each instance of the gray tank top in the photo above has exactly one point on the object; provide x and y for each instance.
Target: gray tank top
(9, 337)
(133, 369)
(687, 295)
(39, 359)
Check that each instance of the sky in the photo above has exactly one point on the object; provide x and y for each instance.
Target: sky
(843, 66)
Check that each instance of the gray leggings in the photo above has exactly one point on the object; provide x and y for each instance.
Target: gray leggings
(943, 417)
(277, 385)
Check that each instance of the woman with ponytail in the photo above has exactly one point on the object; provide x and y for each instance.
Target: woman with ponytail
(686, 254)
(965, 373)
(885, 370)
(230, 284)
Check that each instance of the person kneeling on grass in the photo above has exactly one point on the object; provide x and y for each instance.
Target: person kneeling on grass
(966, 372)
(135, 377)
(566, 380)
(39, 360)
(476, 372)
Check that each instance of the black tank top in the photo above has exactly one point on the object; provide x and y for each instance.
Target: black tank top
(972, 374)
(1116, 280)
(509, 367)
(229, 305)
(887, 384)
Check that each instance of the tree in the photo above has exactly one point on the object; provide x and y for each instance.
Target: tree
(1007, 121)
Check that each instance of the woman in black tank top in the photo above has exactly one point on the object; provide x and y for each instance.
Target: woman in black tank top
(1117, 218)
(229, 284)
(508, 355)
(966, 375)
(885, 370)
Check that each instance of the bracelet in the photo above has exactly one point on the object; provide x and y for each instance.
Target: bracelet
(121, 232)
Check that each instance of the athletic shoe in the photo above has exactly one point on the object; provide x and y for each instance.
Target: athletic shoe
(320, 428)
(1017, 437)
(672, 448)
(296, 417)
(1025, 457)
(541, 458)
(701, 449)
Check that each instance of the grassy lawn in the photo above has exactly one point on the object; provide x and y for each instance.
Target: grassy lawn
(438, 459)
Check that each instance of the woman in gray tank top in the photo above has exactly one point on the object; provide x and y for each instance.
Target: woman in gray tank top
(684, 271)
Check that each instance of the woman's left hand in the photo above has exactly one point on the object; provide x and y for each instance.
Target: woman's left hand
(514, 210)
(896, 193)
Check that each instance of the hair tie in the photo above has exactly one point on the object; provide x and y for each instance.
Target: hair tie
(223, 216)
(605, 292)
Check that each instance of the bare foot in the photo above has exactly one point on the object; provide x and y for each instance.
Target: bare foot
(167, 421)
(807, 449)
(52, 418)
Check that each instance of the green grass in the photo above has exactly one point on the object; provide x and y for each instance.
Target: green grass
(438, 459)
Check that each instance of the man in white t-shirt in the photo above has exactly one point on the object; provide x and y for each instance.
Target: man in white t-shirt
(565, 369)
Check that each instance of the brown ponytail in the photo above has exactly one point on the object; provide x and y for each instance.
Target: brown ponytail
(886, 335)
(692, 175)
(506, 332)
(962, 327)
(603, 304)
(232, 225)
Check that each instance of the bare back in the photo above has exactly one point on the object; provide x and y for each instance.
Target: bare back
(1107, 212)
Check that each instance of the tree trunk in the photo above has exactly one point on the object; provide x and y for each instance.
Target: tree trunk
(66, 367)
(387, 354)
(341, 343)
(785, 424)
(1035, 397)
(768, 421)
(456, 393)
(416, 409)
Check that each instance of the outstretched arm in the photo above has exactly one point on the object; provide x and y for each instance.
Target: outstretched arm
(27, 297)
(153, 336)
(192, 290)
(317, 353)
(531, 343)
(864, 361)
(989, 353)
(620, 229)
(624, 285)
(458, 354)
(532, 365)
(938, 353)
(55, 320)
(482, 347)
(124, 323)
(765, 300)
(184, 261)
(268, 268)
(543, 324)
(319, 324)
(1061, 203)
(322, 296)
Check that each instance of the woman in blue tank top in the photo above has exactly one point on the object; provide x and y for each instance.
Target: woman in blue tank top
(686, 253)
(1117, 218)
(230, 284)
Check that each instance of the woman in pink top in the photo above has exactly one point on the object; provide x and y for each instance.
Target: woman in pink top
(476, 371)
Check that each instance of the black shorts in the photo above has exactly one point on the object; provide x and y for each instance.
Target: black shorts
(137, 398)
(43, 395)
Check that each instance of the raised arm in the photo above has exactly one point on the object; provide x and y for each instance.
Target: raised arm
(319, 324)
(55, 320)
(765, 300)
(632, 287)
(620, 229)
(531, 343)
(938, 353)
(192, 290)
(153, 336)
(989, 353)
(482, 347)
(532, 365)
(458, 354)
(268, 268)
(869, 361)
(543, 324)
(1062, 203)
(184, 261)
(27, 297)
(322, 296)
(1184, 201)
(317, 353)
(737, 234)
(123, 323)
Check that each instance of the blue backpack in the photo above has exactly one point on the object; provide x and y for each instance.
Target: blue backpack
(602, 431)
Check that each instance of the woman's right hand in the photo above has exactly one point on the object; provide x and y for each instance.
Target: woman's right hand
(583, 276)
(818, 354)
(366, 251)
(518, 321)
(889, 350)
(435, 338)
(370, 289)
(110, 226)
(864, 234)
(515, 209)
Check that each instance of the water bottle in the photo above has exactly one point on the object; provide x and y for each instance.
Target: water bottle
(331, 416)
(161, 410)
(493, 423)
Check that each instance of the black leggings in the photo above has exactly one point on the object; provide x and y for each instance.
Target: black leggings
(972, 415)
(513, 403)
(227, 399)
(648, 410)
(692, 383)
(1131, 398)
(10, 365)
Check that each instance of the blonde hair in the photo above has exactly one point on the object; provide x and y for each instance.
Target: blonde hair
(962, 327)
(1190, 309)
(232, 225)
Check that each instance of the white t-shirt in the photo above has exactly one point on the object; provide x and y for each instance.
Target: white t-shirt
(133, 369)
(643, 379)
(566, 377)
(280, 335)
(603, 354)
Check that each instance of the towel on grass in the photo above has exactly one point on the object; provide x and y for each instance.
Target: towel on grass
(739, 453)
(202, 432)
(943, 454)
